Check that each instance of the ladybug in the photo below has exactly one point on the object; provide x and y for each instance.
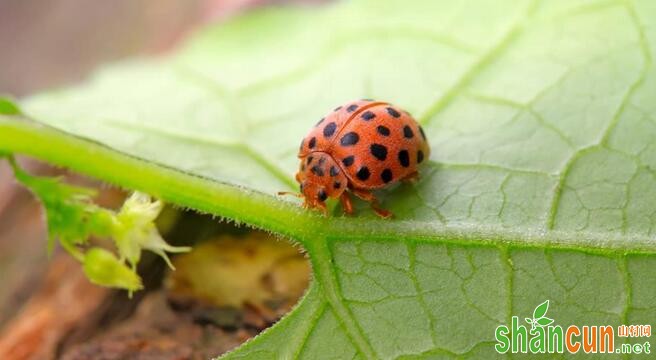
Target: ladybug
(359, 147)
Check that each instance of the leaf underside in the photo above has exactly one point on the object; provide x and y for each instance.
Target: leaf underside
(541, 183)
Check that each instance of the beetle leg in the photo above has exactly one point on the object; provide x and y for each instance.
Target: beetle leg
(411, 178)
(371, 199)
(321, 206)
(345, 199)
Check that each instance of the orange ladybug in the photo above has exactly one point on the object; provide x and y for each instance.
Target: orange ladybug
(361, 146)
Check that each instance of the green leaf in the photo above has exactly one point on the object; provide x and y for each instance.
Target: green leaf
(545, 321)
(541, 182)
(8, 106)
(541, 310)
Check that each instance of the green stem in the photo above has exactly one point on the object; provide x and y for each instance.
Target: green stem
(268, 212)
(96, 160)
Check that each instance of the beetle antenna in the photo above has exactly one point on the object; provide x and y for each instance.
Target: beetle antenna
(290, 193)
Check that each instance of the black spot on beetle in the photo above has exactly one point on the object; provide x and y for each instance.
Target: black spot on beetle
(337, 108)
(321, 195)
(407, 132)
(316, 170)
(322, 160)
(337, 184)
(333, 171)
(378, 151)
(386, 176)
(404, 158)
(383, 130)
(319, 122)
(309, 159)
(420, 156)
(312, 143)
(363, 173)
(350, 138)
(348, 161)
(393, 112)
(329, 130)
(368, 115)
(351, 108)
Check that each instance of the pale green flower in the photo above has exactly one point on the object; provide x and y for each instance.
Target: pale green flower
(134, 229)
